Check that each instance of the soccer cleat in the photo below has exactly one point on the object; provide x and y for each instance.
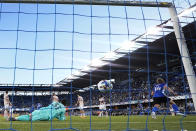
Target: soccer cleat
(153, 114)
(180, 114)
(82, 117)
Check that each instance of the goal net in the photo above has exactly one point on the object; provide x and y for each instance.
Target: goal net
(58, 51)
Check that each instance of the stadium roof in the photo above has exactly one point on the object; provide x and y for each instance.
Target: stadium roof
(160, 40)
(138, 59)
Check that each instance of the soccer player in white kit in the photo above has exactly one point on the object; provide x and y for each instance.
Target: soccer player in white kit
(7, 105)
(102, 107)
(80, 102)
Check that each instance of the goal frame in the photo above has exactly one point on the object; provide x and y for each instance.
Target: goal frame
(95, 2)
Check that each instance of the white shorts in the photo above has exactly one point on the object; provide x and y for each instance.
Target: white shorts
(102, 107)
(8, 108)
(81, 107)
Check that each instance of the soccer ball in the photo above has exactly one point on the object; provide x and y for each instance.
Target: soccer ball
(105, 85)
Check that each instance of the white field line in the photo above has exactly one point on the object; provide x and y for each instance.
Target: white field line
(77, 123)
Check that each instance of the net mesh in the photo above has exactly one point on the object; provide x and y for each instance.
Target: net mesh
(67, 49)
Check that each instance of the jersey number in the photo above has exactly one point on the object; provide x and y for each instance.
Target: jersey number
(157, 88)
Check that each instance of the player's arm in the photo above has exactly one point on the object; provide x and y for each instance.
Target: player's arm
(152, 93)
(77, 102)
(169, 89)
(62, 111)
(61, 116)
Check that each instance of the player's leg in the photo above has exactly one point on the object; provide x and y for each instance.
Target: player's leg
(33, 117)
(83, 113)
(106, 112)
(10, 112)
(172, 110)
(20, 118)
(6, 112)
(154, 110)
(175, 108)
(23, 118)
(100, 113)
(157, 102)
(101, 110)
(80, 113)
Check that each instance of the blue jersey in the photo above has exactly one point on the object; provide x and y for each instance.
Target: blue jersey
(159, 90)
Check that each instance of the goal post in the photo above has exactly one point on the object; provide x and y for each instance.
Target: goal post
(184, 52)
(95, 2)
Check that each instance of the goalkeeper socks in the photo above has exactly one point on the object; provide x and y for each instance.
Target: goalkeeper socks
(155, 109)
(175, 107)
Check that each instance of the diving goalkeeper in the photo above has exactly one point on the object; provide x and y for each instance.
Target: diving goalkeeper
(54, 110)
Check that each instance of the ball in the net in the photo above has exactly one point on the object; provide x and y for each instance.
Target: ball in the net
(104, 85)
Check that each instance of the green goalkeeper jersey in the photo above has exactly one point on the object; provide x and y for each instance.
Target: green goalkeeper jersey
(54, 110)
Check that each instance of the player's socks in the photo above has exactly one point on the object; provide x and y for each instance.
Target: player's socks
(176, 110)
(155, 109)
(153, 114)
(100, 114)
(175, 107)
(5, 114)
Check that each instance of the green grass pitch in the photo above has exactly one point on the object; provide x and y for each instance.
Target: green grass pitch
(118, 123)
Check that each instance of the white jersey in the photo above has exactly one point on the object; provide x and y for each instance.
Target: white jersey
(80, 101)
(6, 100)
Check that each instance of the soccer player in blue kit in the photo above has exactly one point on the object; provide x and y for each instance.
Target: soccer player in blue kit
(159, 94)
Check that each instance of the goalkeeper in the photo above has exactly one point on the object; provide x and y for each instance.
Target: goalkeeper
(54, 110)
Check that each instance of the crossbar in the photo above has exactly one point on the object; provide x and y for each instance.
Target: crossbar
(95, 2)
